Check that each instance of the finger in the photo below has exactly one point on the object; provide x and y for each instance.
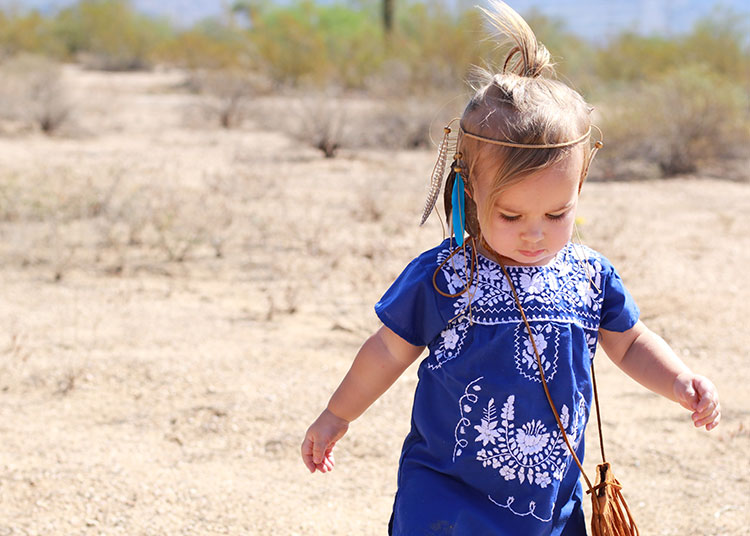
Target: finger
(307, 457)
(712, 425)
(319, 452)
(705, 422)
(329, 462)
(708, 419)
(691, 397)
(706, 392)
(706, 403)
(704, 410)
(325, 466)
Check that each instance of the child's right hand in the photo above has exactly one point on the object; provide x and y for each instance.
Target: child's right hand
(699, 395)
(317, 448)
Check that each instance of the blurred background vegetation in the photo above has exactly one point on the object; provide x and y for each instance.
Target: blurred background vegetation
(676, 104)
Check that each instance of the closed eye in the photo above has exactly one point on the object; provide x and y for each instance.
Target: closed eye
(553, 217)
(557, 216)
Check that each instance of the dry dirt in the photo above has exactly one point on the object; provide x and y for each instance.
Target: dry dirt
(179, 301)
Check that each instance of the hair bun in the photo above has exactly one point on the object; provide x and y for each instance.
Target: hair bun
(528, 57)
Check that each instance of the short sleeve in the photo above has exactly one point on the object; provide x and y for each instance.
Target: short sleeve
(410, 306)
(619, 310)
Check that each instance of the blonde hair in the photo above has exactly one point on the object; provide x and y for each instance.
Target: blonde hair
(521, 104)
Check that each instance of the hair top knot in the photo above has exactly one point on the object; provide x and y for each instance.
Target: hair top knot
(528, 57)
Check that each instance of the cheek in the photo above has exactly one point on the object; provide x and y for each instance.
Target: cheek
(503, 231)
(564, 229)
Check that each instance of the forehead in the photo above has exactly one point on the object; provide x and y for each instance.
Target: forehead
(554, 185)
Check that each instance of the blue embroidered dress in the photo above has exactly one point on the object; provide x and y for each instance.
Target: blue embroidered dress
(484, 454)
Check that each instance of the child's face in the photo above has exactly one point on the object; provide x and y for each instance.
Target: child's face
(532, 220)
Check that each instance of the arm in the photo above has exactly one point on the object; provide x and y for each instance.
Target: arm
(648, 359)
(379, 363)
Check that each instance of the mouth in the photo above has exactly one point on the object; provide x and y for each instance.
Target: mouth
(531, 252)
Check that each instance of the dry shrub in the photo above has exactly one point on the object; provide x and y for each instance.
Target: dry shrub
(687, 118)
(170, 223)
(60, 194)
(49, 214)
(227, 93)
(414, 123)
(320, 122)
(330, 122)
(32, 92)
(60, 220)
(335, 120)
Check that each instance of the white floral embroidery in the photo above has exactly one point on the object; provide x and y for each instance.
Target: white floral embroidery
(567, 290)
(591, 338)
(450, 338)
(450, 342)
(531, 453)
(547, 339)
(487, 432)
(531, 438)
(506, 472)
(465, 407)
(586, 292)
(489, 272)
(531, 511)
(565, 417)
(536, 340)
(532, 284)
(542, 479)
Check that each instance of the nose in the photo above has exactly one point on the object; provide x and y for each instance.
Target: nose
(532, 234)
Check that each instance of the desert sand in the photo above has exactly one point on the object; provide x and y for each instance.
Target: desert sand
(179, 301)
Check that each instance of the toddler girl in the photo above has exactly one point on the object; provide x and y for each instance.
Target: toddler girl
(485, 454)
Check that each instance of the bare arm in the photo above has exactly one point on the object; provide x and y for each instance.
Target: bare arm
(648, 359)
(379, 363)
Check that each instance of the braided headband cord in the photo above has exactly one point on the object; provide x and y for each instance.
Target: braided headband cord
(493, 141)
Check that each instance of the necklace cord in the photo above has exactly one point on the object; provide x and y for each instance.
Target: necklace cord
(544, 380)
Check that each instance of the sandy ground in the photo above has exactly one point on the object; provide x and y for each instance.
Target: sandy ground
(179, 301)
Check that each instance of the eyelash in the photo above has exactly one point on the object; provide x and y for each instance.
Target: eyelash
(552, 217)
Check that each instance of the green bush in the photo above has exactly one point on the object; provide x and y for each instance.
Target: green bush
(634, 58)
(718, 42)
(688, 116)
(324, 45)
(573, 57)
(29, 32)
(290, 46)
(109, 34)
(437, 47)
(197, 48)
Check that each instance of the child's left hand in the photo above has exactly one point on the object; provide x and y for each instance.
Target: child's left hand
(698, 394)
